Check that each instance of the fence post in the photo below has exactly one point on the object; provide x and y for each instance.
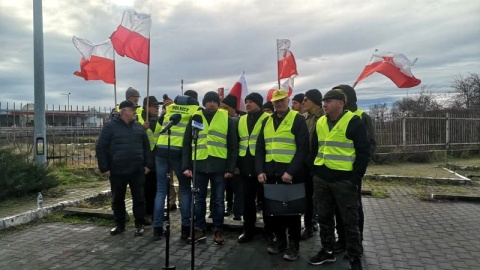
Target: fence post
(447, 130)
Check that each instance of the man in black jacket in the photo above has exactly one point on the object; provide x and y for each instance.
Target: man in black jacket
(123, 154)
(280, 155)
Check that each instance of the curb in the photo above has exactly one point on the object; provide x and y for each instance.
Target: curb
(28, 216)
(463, 198)
(454, 181)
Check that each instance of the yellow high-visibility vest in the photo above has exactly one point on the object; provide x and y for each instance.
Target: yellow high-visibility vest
(358, 112)
(335, 150)
(212, 140)
(152, 135)
(246, 140)
(280, 144)
(177, 132)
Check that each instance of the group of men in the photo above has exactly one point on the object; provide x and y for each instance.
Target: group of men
(324, 143)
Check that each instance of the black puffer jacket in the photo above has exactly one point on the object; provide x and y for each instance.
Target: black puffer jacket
(123, 148)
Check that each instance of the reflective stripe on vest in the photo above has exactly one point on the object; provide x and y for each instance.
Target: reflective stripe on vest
(177, 132)
(280, 144)
(152, 135)
(249, 141)
(212, 140)
(335, 150)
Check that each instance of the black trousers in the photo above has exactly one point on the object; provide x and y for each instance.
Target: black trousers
(250, 187)
(344, 194)
(118, 186)
(310, 216)
(361, 218)
(234, 194)
(150, 192)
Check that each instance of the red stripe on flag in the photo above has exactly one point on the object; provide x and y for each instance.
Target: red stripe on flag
(98, 68)
(131, 44)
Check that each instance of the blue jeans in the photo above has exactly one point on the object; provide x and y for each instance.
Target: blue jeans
(162, 187)
(217, 186)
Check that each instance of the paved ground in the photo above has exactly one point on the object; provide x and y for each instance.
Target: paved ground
(401, 232)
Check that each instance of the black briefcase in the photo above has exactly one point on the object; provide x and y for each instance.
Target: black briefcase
(284, 199)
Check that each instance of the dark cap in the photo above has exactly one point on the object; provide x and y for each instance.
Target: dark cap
(152, 100)
(351, 103)
(299, 97)
(211, 96)
(268, 105)
(191, 93)
(256, 98)
(315, 96)
(166, 100)
(131, 92)
(230, 101)
(334, 94)
(127, 104)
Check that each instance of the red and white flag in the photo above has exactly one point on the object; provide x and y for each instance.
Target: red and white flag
(287, 68)
(240, 90)
(395, 66)
(97, 61)
(132, 38)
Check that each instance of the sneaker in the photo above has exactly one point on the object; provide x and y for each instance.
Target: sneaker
(185, 232)
(228, 212)
(139, 230)
(307, 232)
(157, 233)
(315, 227)
(277, 246)
(198, 235)
(322, 257)
(117, 230)
(218, 238)
(292, 252)
(339, 247)
(356, 264)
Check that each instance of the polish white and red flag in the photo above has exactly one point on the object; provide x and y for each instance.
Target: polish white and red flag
(395, 66)
(240, 91)
(287, 67)
(132, 37)
(97, 61)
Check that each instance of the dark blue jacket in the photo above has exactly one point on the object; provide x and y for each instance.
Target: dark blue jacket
(123, 148)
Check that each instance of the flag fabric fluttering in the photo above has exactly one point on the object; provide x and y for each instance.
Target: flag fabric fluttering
(395, 66)
(240, 91)
(287, 68)
(132, 37)
(97, 61)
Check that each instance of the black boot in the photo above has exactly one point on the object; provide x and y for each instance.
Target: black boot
(185, 232)
(157, 233)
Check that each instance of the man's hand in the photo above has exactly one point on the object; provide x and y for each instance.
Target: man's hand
(228, 175)
(262, 178)
(147, 170)
(146, 124)
(187, 173)
(287, 178)
(107, 173)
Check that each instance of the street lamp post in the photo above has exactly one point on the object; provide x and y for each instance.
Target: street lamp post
(68, 107)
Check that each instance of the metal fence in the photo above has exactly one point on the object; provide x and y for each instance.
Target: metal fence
(72, 132)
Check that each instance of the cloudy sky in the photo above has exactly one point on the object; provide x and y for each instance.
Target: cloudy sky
(208, 43)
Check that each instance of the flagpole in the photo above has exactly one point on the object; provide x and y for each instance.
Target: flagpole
(148, 83)
(115, 83)
(181, 85)
(278, 79)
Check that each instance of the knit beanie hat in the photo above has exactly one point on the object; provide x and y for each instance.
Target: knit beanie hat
(131, 92)
(191, 93)
(298, 97)
(351, 102)
(211, 96)
(166, 100)
(256, 98)
(268, 105)
(230, 101)
(315, 96)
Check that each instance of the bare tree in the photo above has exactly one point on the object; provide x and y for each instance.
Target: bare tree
(416, 104)
(468, 88)
(378, 110)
